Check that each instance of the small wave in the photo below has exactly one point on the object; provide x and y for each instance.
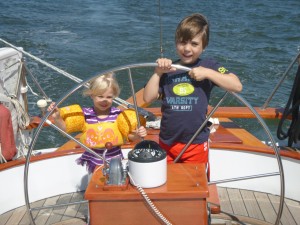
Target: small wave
(63, 32)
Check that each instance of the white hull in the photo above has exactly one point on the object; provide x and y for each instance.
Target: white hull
(226, 164)
(46, 178)
(59, 175)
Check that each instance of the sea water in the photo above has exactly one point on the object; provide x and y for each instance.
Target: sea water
(254, 39)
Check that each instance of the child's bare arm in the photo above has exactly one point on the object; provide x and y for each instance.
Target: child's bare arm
(151, 91)
(229, 82)
(58, 121)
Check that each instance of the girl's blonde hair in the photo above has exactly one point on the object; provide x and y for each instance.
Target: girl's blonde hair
(100, 84)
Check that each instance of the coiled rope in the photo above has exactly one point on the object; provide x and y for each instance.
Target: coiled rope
(23, 117)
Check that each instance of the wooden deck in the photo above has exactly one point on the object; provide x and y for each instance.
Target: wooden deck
(237, 207)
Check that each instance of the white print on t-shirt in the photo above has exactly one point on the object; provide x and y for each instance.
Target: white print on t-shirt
(182, 103)
(182, 107)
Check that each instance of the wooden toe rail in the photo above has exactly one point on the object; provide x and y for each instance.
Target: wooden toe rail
(213, 200)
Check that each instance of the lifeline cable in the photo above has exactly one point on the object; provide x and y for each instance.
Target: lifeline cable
(117, 100)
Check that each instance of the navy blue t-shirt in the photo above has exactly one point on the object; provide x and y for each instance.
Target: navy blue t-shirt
(184, 104)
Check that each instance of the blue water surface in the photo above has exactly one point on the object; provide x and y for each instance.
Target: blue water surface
(254, 39)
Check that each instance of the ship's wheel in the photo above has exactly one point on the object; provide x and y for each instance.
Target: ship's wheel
(128, 68)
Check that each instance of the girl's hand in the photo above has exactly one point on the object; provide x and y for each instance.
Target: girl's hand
(55, 114)
(137, 134)
(58, 120)
(141, 131)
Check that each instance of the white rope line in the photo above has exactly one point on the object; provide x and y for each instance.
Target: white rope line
(43, 62)
(36, 83)
(149, 202)
(32, 92)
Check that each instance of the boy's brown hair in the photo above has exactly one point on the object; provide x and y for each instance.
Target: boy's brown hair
(190, 27)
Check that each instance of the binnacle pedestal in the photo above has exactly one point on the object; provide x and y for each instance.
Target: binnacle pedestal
(182, 200)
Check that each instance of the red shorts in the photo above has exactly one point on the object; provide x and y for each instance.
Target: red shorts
(195, 153)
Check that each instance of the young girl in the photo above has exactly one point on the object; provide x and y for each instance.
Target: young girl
(102, 91)
(185, 95)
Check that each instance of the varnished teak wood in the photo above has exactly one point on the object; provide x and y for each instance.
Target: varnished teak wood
(182, 200)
